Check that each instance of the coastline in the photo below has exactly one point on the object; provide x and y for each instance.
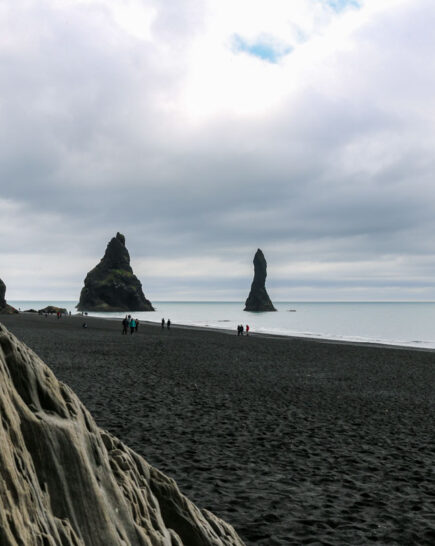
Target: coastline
(395, 324)
(268, 335)
(291, 440)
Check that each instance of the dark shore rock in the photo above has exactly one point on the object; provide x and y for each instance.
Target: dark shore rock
(5, 309)
(51, 310)
(66, 482)
(258, 299)
(111, 285)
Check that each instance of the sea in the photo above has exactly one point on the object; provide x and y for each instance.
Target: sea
(410, 324)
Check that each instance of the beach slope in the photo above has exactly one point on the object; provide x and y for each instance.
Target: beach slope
(292, 441)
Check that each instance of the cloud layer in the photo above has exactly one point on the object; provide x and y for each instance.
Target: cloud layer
(144, 118)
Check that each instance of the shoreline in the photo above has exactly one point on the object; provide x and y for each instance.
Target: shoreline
(292, 441)
(375, 344)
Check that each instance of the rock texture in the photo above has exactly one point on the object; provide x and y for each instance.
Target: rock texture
(258, 299)
(4, 307)
(65, 482)
(111, 285)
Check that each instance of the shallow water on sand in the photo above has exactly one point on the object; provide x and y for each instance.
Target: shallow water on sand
(397, 323)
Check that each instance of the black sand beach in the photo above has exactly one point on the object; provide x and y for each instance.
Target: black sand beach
(291, 441)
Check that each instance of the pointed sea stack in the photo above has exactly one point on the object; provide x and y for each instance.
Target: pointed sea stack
(258, 299)
(5, 309)
(66, 482)
(111, 285)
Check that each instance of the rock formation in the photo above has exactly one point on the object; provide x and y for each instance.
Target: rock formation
(111, 285)
(53, 310)
(5, 309)
(66, 482)
(258, 299)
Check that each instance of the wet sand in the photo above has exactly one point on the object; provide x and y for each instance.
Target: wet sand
(292, 441)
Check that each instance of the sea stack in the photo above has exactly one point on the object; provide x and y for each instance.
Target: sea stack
(5, 309)
(111, 285)
(258, 299)
(66, 482)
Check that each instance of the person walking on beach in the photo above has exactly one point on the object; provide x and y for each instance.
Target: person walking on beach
(132, 326)
(168, 324)
(124, 325)
(137, 325)
(163, 322)
(247, 329)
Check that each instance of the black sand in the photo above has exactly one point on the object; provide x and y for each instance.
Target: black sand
(291, 441)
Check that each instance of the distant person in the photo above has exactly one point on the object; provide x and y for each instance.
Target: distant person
(137, 325)
(247, 329)
(240, 330)
(168, 324)
(125, 324)
(163, 322)
(132, 326)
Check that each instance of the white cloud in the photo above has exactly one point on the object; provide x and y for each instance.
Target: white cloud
(140, 117)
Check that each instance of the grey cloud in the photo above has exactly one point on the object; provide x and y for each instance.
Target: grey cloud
(342, 172)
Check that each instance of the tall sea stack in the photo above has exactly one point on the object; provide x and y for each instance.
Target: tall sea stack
(5, 309)
(66, 482)
(258, 299)
(111, 285)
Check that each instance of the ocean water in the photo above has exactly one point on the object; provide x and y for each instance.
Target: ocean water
(397, 323)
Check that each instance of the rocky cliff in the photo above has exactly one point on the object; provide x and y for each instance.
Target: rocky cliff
(66, 482)
(4, 307)
(111, 285)
(258, 299)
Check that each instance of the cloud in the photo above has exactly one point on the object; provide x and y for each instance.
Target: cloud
(162, 122)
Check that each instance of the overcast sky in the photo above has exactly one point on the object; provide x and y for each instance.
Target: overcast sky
(205, 129)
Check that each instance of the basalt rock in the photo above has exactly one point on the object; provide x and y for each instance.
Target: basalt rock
(53, 310)
(5, 309)
(111, 285)
(258, 299)
(66, 482)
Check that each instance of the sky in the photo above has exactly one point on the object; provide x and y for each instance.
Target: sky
(205, 129)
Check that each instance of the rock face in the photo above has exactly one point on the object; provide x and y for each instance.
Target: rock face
(258, 299)
(111, 285)
(66, 482)
(4, 307)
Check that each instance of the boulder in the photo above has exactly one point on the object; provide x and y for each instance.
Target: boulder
(66, 482)
(111, 285)
(5, 309)
(258, 299)
(52, 309)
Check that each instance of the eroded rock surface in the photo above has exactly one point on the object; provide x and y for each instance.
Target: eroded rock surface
(4, 307)
(66, 482)
(258, 299)
(111, 285)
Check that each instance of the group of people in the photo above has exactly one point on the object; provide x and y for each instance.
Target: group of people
(129, 322)
(241, 329)
(168, 323)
